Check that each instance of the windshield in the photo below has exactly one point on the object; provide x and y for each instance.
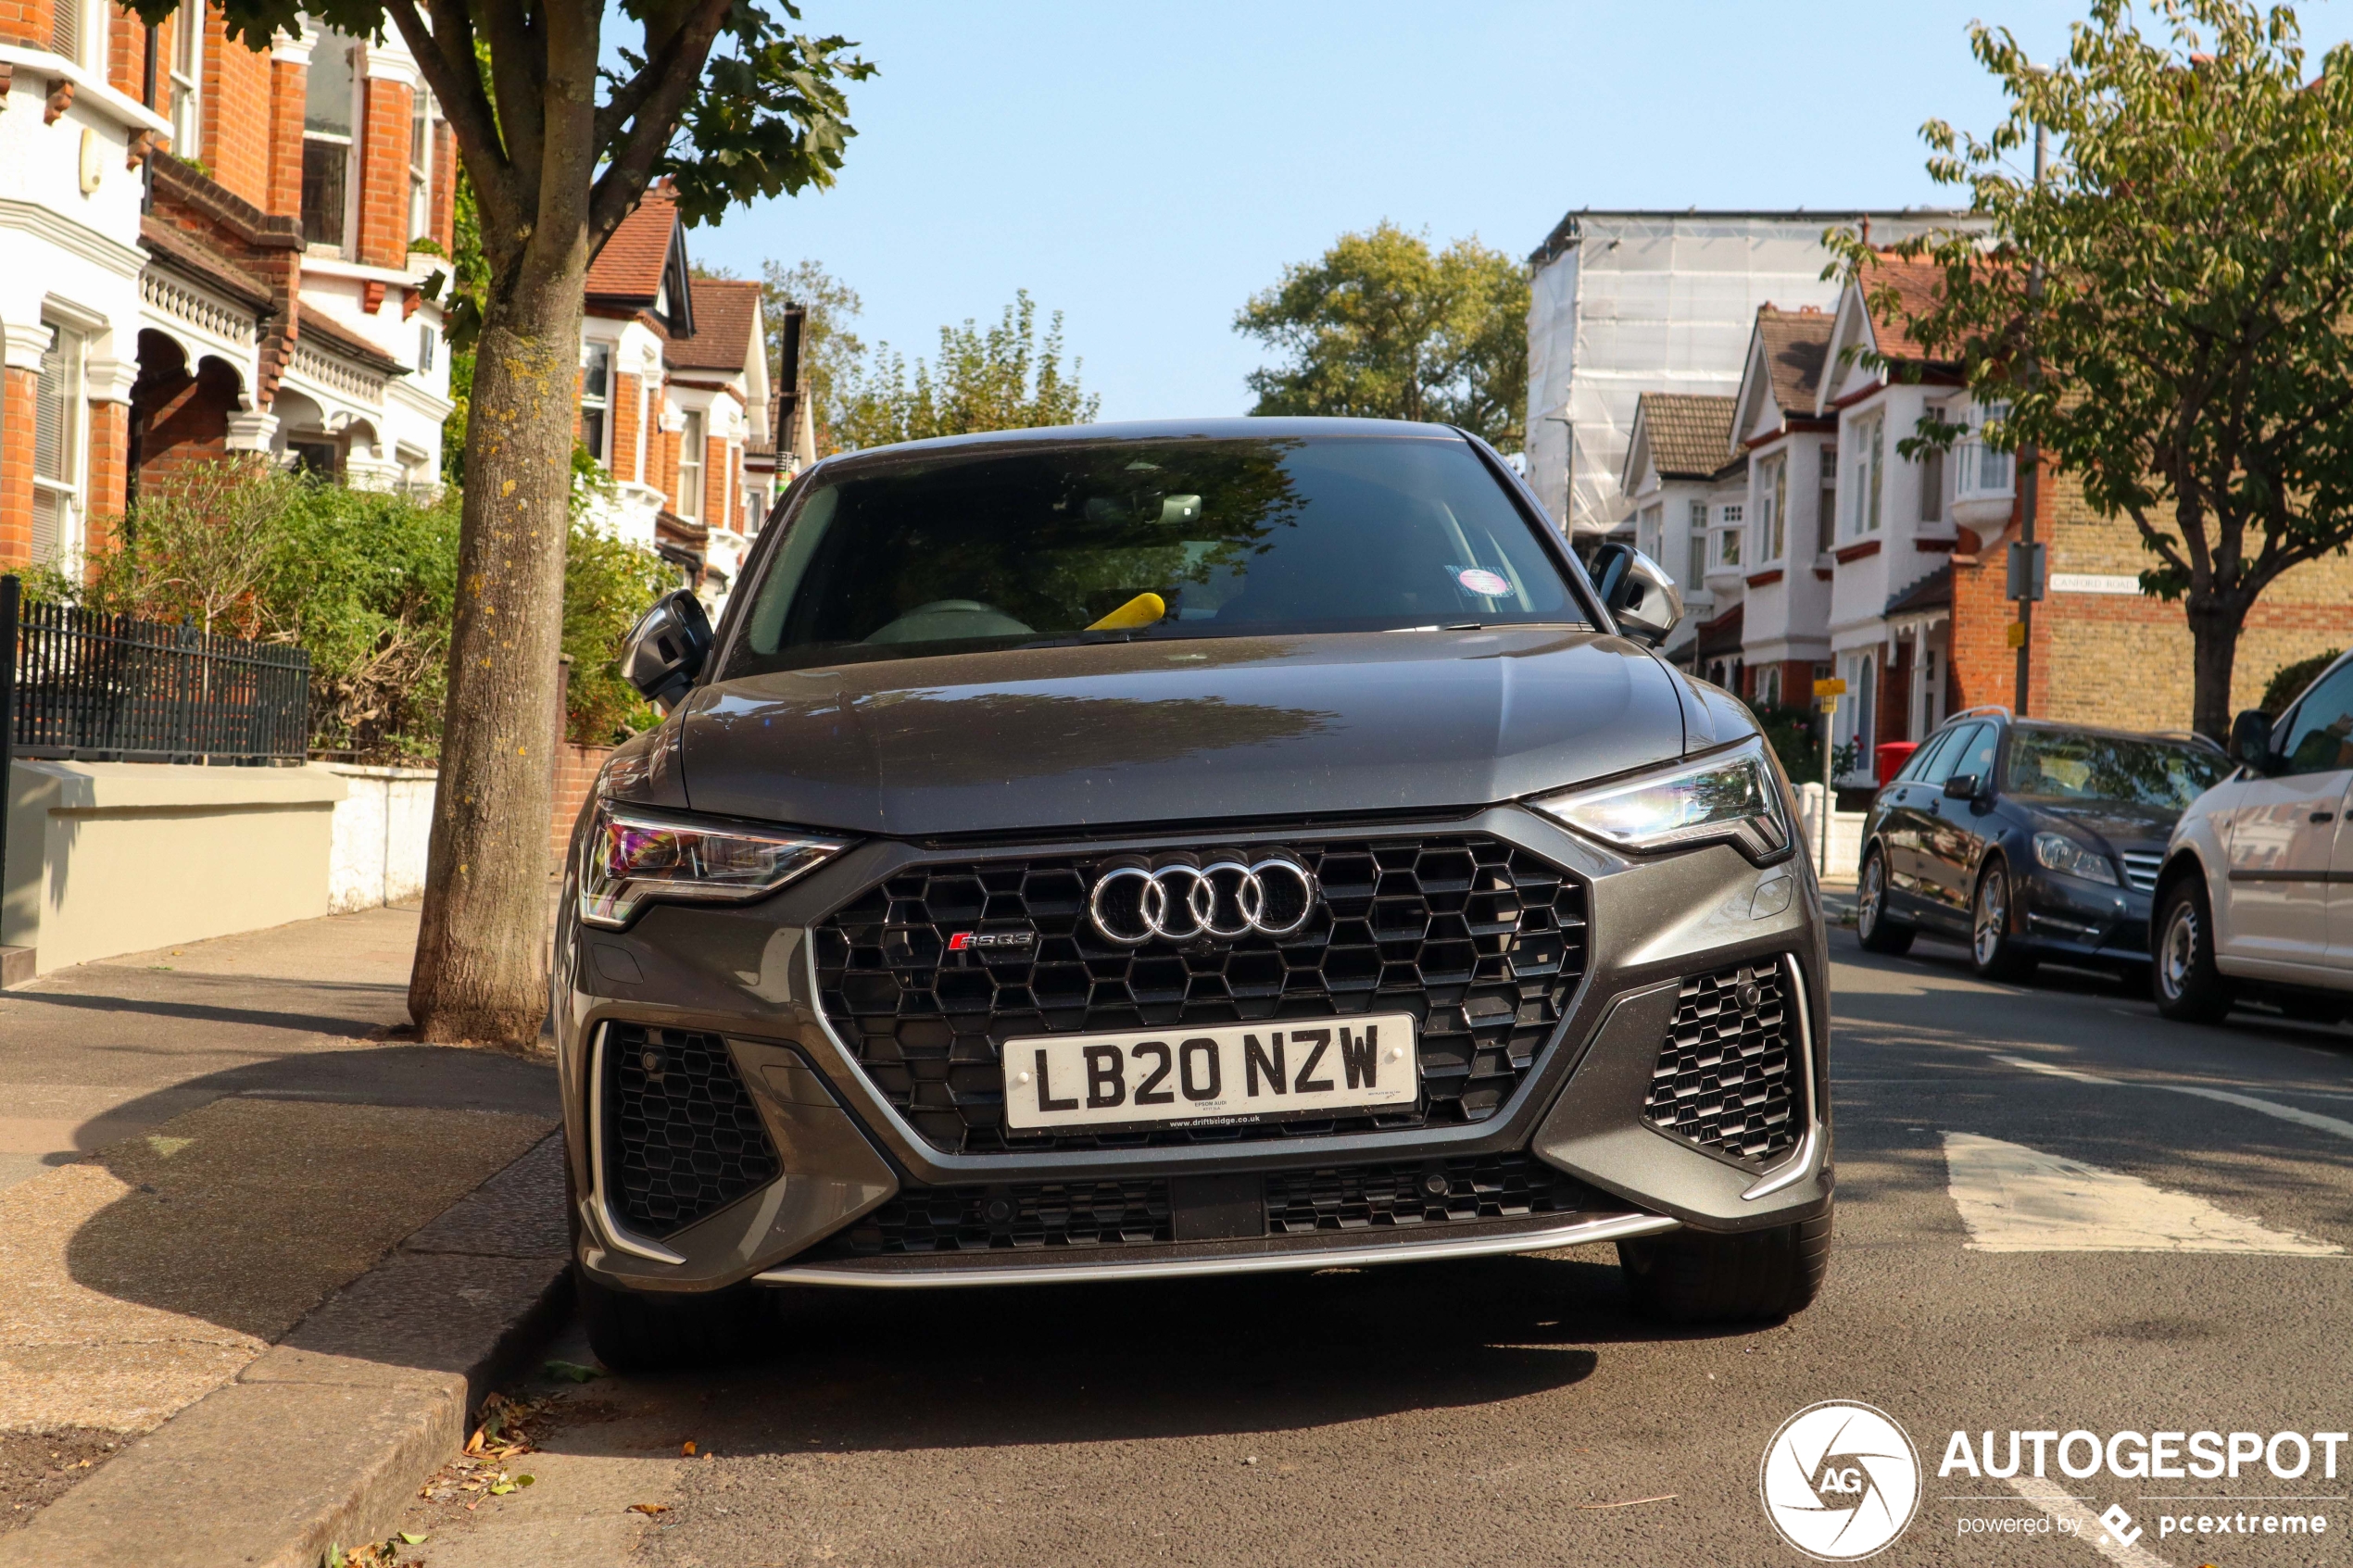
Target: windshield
(2062, 765)
(1157, 538)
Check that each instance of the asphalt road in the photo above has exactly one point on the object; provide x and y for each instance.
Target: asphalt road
(2182, 1270)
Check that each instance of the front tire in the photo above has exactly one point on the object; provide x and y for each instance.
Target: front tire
(1993, 949)
(1872, 928)
(2188, 987)
(1758, 1276)
(645, 1332)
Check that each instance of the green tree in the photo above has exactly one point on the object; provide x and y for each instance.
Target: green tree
(719, 96)
(2166, 313)
(1380, 327)
(1000, 379)
(831, 355)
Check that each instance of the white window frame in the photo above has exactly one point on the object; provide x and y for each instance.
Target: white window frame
(1978, 462)
(694, 451)
(1826, 501)
(353, 61)
(1650, 530)
(597, 400)
(59, 494)
(1695, 544)
(77, 33)
(1728, 536)
(1858, 714)
(421, 120)
(187, 81)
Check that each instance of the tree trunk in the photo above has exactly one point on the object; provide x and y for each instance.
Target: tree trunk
(481, 968)
(2215, 620)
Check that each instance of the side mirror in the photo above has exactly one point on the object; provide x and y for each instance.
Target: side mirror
(2251, 740)
(1641, 597)
(1960, 787)
(667, 649)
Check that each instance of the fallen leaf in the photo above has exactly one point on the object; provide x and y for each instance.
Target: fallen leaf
(687, 1447)
(412, 1540)
(571, 1372)
(650, 1508)
(1631, 1502)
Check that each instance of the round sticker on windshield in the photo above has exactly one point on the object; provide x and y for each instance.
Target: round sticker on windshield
(1485, 584)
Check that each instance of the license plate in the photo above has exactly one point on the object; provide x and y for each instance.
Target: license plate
(1209, 1076)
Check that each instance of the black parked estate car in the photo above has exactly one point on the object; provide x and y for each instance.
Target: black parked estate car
(2027, 840)
(1140, 851)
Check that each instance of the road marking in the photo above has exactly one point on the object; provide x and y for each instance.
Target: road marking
(2296, 1114)
(2019, 1200)
(2053, 1500)
(2054, 1070)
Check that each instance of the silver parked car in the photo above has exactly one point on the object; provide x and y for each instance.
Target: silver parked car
(2247, 906)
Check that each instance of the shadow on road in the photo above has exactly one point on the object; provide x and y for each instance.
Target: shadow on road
(858, 1372)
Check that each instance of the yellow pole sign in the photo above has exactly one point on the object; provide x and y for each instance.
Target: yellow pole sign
(2014, 634)
(1829, 688)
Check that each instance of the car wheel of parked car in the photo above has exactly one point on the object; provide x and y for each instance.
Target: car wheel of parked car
(1691, 1277)
(2189, 989)
(1872, 928)
(1991, 947)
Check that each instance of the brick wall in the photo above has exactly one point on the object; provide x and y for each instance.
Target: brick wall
(382, 240)
(442, 224)
(288, 83)
(109, 459)
(26, 22)
(236, 114)
(626, 390)
(127, 55)
(718, 485)
(185, 421)
(576, 769)
(665, 477)
(16, 465)
(2115, 658)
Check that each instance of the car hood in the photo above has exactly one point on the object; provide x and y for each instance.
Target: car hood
(2122, 824)
(1207, 730)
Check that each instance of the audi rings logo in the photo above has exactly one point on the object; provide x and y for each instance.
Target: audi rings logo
(1840, 1481)
(1225, 898)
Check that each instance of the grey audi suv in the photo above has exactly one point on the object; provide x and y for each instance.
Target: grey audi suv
(1140, 851)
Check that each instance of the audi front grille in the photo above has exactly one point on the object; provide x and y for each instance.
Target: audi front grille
(1482, 942)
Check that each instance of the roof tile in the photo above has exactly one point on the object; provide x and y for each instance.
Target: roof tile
(1691, 434)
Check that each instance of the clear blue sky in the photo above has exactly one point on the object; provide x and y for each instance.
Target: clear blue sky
(1144, 169)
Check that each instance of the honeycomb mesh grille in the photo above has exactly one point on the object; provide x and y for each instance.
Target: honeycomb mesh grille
(1726, 1075)
(1440, 1192)
(684, 1139)
(1020, 1218)
(1481, 942)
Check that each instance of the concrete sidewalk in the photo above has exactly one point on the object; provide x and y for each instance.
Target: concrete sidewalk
(204, 1144)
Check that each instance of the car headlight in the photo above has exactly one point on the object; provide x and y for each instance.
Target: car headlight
(2062, 854)
(1727, 798)
(631, 858)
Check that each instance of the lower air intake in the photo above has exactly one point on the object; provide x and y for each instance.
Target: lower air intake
(682, 1139)
(1727, 1074)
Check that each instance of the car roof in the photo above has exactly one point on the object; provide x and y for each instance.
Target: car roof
(2008, 719)
(1063, 437)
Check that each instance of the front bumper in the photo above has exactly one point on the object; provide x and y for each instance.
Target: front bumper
(2068, 919)
(747, 976)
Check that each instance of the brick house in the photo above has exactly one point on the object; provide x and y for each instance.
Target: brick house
(675, 400)
(210, 251)
(1919, 620)
(1778, 552)
(1685, 484)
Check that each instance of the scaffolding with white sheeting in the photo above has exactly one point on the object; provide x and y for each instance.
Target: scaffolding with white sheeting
(1624, 302)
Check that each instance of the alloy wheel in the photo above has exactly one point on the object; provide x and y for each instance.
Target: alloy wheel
(2179, 956)
(1992, 916)
(1873, 894)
